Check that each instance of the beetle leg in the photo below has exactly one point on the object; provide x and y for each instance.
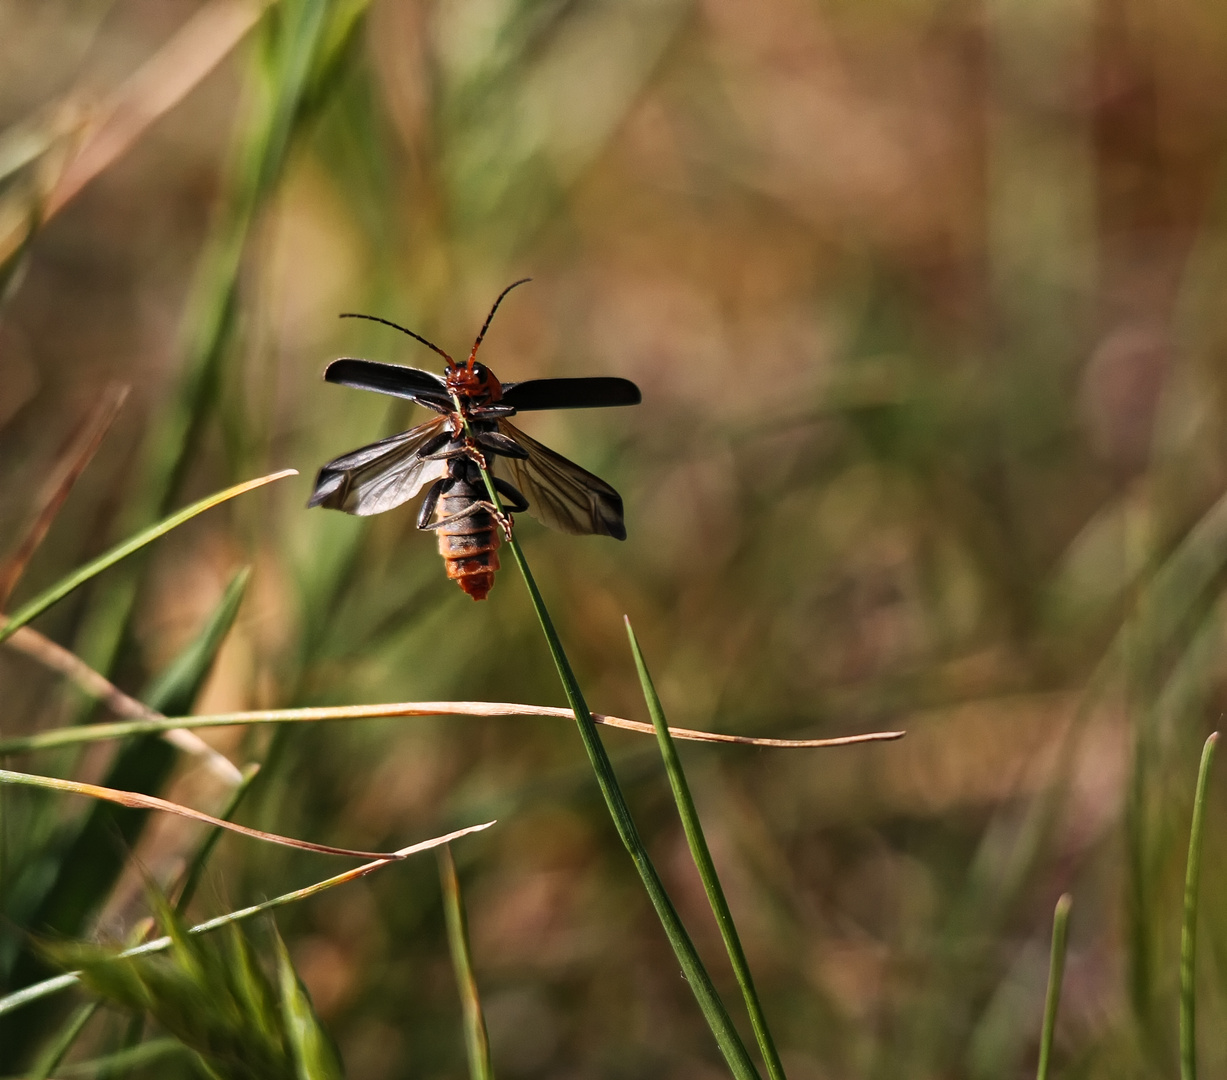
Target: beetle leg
(487, 412)
(474, 454)
(433, 449)
(495, 442)
(517, 503)
(474, 508)
(443, 447)
(432, 500)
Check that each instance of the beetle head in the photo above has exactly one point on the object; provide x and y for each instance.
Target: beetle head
(474, 382)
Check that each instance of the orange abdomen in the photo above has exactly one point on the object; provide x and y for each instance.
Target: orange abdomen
(470, 546)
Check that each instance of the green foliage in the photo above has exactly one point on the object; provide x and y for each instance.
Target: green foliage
(476, 1038)
(1056, 972)
(214, 997)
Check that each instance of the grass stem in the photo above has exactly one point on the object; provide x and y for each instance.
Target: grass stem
(727, 1038)
(477, 1042)
(1056, 972)
(704, 864)
(1188, 932)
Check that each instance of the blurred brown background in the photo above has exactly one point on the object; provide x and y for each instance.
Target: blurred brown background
(926, 303)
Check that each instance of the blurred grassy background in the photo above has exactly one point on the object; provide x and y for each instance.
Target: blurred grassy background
(926, 302)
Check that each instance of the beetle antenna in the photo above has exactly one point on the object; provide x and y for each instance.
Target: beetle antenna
(397, 326)
(486, 325)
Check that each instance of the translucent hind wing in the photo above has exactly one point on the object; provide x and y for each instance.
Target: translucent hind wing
(560, 494)
(380, 476)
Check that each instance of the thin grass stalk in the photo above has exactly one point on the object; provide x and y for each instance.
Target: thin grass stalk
(122, 729)
(703, 863)
(717, 1017)
(11, 1002)
(1188, 932)
(476, 1040)
(1056, 972)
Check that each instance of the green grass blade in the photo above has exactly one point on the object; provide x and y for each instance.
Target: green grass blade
(703, 862)
(121, 551)
(315, 1058)
(1188, 932)
(476, 1041)
(1056, 972)
(717, 1017)
(19, 998)
(731, 1046)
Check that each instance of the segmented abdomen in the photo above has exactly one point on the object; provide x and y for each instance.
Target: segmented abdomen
(468, 546)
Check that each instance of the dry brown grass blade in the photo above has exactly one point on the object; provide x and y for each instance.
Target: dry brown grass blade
(505, 708)
(73, 461)
(136, 801)
(153, 90)
(45, 740)
(97, 686)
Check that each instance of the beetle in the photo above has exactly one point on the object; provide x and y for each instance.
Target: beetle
(446, 454)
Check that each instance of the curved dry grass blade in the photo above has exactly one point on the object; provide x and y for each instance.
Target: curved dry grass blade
(76, 456)
(121, 551)
(98, 732)
(15, 1000)
(1056, 972)
(477, 1042)
(1188, 931)
(137, 801)
(54, 656)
